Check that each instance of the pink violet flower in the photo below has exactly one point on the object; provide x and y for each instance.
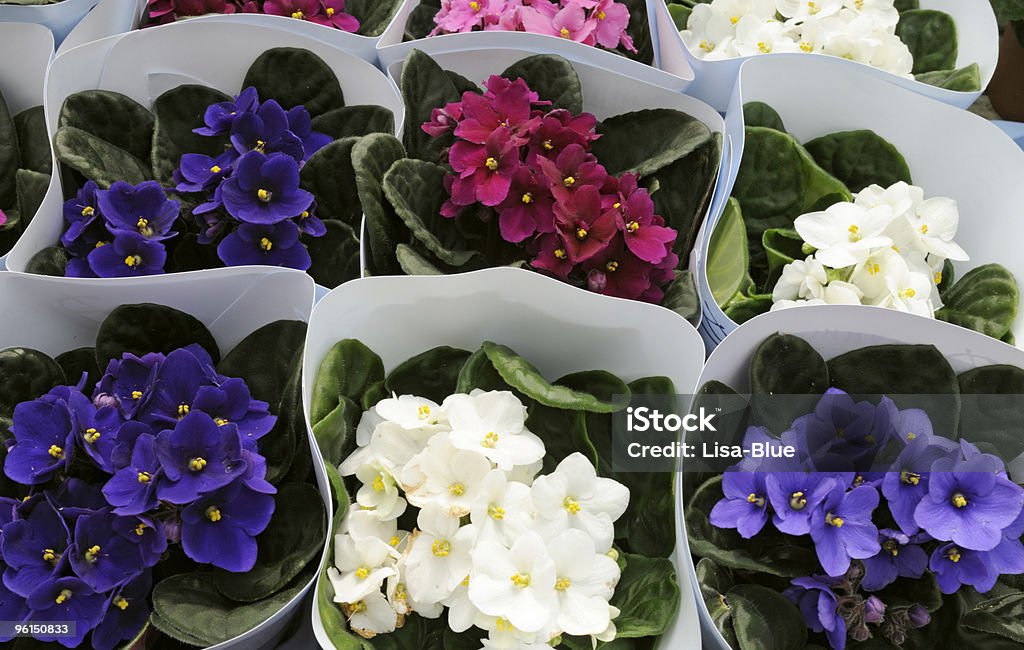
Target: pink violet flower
(553, 256)
(611, 20)
(557, 130)
(510, 110)
(484, 171)
(585, 227)
(3, 218)
(644, 232)
(615, 271)
(443, 120)
(298, 9)
(334, 16)
(528, 208)
(573, 169)
(462, 15)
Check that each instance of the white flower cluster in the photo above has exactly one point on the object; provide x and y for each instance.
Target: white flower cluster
(887, 249)
(858, 30)
(523, 556)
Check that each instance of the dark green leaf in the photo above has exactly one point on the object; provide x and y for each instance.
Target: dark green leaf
(354, 121)
(264, 358)
(76, 362)
(181, 636)
(425, 86)
(523, 376)
(788, 366)
(49, 261)
(97, 159)
(906, 5)
(26, 374)
(552, 77)
(645, 141)
(295, 536)
(144, 328)
(373, 15)
(744, 307)
(681, 296)
(288, 439)
(335, 255)
(782, 246)
(931, 37)
(966, 79)
(110, 116)
(479, 372)
(33, 143)
(421, 19)
(347, 371)
(727, 255)
(177, 112)
(647, 596)
(31, 188)
(418, 633)
(680, 15)
(10, 157)
(683, 190)
(335, 432)
(295, 77)
(375, 392)
(462, 84)
(372, 157)
(993, 408)
(433, 374)
(761, 114)
(563, 432)
(1003, 616)
(714, 582)
(985, 300)
(412, 263)
(329, 176)
(764, 619)
(416, 191)
(860, 158)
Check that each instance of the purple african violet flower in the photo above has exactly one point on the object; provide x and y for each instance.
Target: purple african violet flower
(129, 255)
(76, 497)
(143, 209)
(265, 189)
(818, 605)
(132, 490)
(84, 227)
(842, 529)
(96, 431)
(841, 434)
(12, 608)
(231, 402)
(221, 528)
(100, 556)
(266, 131)
(906, 482)
(199, 173)
(128, 381)
(66, 599)
(309, 224)
(271, 244)
(874, 610)
(146, 534)
(197, 457)
(301, 125)
(745, 506)
(897, 559)
(919, 616)
(124, 613)
(220, 116)
(968, 503)
(33, 546)
(954, 566)
(175, 384)
(795, 496)
(44, 440)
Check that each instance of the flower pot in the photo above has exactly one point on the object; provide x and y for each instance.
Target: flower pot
(112, 17)
(54, 315)
(561, 328)
(59, 18)
(976, 30)
(834, 330)
(1007, 88)
(393, 48)
(144, 64)
(816, 96)
(22, 85)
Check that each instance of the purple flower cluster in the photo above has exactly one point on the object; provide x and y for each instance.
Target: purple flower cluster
(175, 446)
(591, 22)
(956, 512)
(118, 232)
(534, 168)
(254, 209)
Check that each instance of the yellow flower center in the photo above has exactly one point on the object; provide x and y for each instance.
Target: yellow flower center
(394, 541)
(938, 277)
(136, 394)
(854, 231)
(91, 435)
(754, 499)
(571, 505)
(92, 554)
(63, 596)
(490, 440)
(496, 512)
(813, 7)
(423, 412)
(601, 15)
(908, 293)
(892, 547)
(49, 555)
(266, 244)
(492, 164)
(632, 226)
(874, 268)
(797, 501)
(611, 266)
(215, 169)
(734, 19)
(121, 603)
(213, 514)
(924, 229)
(221, 421)
(564, 33)
(474, 5)
(910, 478)
(560, 253)
(183, 410)
(88, 211)
(378, 483)
(330, 12)
(806, 47)
(569, 181)
(197, 464)
(706, 46)
(363, 572)
(298, 15)
(959, 500)
(465, 581)
(140, 530)
(763, 47)
(547, 145)
(143, 225)
(441, 547)
(503, 625)
(264, 195)
(832, 520)
(521, 580)
(357, 608)
(911, 435)
(56, 451)
(144, 477)
(100, 244)
(954, 555)
(132, 261)
(581, 233)
(527, 198)
(456, 489)
(859, 4)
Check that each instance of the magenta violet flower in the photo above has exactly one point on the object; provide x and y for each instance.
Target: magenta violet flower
(586, 229)
(484, 171)
(528, 208)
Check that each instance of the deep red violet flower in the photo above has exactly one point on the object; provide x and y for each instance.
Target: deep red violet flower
(484, 171)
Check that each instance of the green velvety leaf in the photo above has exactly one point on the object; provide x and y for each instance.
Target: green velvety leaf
(329, 176)
(335, 255)
(375, 392)
(764, 619)
(416, 191)
(31, 188)
(785, 365)
(418, 633)
(931, 37)
(859, 159)
(373, 15)
(335, 432)
(563, 432)
(295, 77)
(761, 114)
(993, 408)
(412, 263)
(479, 372)
(471, 639)
(26, 374)
(179, 635)
(78, 361)
(177, 112)
(144, 328)
(523, 376)
(553, 78)
(680, 15)
(1003, 616)
(190, 602)
(425, 86)
(681, 296)
(639, 29)
(347, 371)
(727, 254)
(985, 300)
(354, 121)
(645, 141)
(714, 582)
(433, 374)
(782, 246)
(33, 143)
(110, 116)
(48, 261)
(769, 552)
(744, 307)
(647, 595)
(421, 19)
(372, 157)
(906, 5)
(10, 156)
(966, 79)
(295, 536)
(97, 159)
(264, 358)
(683, 190)
(462, 84)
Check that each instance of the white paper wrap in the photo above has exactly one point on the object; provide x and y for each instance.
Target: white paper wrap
(558, 328)
(59, 18)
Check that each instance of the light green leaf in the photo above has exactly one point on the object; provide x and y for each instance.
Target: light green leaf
(966, 79)
(985, 300)
(727, 254)
(97, 159)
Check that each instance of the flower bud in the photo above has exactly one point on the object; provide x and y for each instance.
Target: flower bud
(597, 281)
(919, 616)
(874, 610)
(103, 399)
(172, 531)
